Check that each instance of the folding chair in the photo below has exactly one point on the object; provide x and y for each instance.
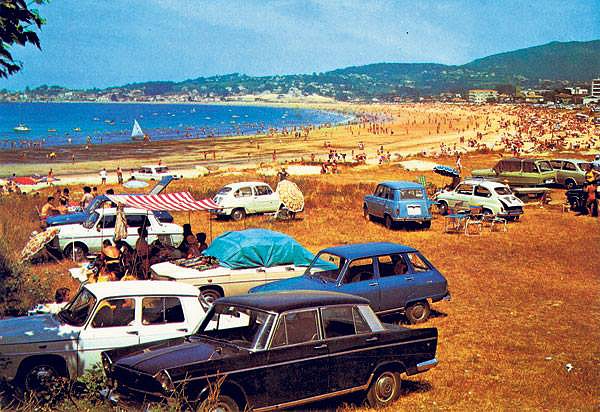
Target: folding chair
(456, 218)
(474, 220)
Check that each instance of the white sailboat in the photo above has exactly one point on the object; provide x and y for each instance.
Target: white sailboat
(137, 133)
(22, 128)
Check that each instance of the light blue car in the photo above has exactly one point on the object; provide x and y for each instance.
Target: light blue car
(398, 202)
(394, 278)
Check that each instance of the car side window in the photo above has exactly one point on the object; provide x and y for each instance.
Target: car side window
(556, 164)
(417, 263)
(243, 192)
(296, 327)
(529, 167)
(379, 191)
(392, 265)
(338, 321)
(107, 222)
(465, 189)
(114, 312)
(263, 190)
(137, 221)
(359, 270)
(161, 310)
(482, 192)
(360, 324)
(569, 166)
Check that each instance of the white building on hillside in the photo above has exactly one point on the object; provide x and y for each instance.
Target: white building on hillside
(482, 95)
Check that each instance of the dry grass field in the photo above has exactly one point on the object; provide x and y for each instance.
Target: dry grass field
(525, 304)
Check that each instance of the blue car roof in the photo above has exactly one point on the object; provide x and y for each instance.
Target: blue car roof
(402, 184)
(361, 250)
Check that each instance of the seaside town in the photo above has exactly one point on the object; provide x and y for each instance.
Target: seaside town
(381, 237)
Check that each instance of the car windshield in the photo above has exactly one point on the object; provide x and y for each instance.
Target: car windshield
(545, 166)
(91, 220)
(78, 310)
(408, 194)
(223, 191)
(503, 190)
(326, 267)
(241, 326)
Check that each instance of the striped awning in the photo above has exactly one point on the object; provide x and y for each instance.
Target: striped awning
(174, 202)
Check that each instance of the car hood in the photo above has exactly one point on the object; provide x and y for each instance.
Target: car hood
(174, 353)
(33, 329)
(66, 219)
(296, 283)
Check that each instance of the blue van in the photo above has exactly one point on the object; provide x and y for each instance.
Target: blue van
(398, 202)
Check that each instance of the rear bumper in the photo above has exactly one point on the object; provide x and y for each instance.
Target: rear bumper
(412, 219)
(425, 366)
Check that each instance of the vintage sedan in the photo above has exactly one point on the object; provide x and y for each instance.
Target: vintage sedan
(520, 172)
(288, 350)
(395, 278)
(396, 202)
(240, 199)
(570, 172)
(101, 316)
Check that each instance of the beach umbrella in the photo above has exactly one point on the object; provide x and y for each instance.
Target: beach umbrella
(446, 171)
(290, 195)
(135, 184)
(37, 242)
(23, 180)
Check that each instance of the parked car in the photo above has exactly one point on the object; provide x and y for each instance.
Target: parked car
(494, 198)
(240, 199)
(101, 316)
(520, 172)
(98, 201)
(293, 348)
(237, 261)
(570, 172)
(79, 240)
(398, 202)
(153, 172)
(395, 278)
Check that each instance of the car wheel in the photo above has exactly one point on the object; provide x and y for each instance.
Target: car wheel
(39, 377)
(443, 208)
(75, 251)
(366, 214)
(570, 184)
(389, 223)
(238, 214)
(418, 312)
(222, 403)
(384, 390)
(210, 295)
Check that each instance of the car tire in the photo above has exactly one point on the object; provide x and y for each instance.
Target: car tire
(570, 184)
(418, 312)
(389, 223)
(238, 214)
(37, 377)
(366, 214)
(443, 208)
(222, 403)
(211, 294)
(384, 390)
(78, 251)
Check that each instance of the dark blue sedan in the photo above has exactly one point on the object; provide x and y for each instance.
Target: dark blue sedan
(394, 278)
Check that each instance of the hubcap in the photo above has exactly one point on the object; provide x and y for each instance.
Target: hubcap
(418, 312)
(39, 377)
(385, 387)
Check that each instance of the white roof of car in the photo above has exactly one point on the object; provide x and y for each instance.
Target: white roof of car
(127, 210)
(484, 183)
(237, 185)
(103, 290)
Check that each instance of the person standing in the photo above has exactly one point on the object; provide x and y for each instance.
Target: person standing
(119, 175)
(87, 197)
(103, 176)
(458, 163)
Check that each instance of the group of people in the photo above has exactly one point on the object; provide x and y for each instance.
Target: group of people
(592, 179)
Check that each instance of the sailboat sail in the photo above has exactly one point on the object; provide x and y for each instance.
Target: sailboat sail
(137, 130)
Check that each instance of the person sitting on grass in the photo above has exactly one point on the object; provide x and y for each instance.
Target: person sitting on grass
(202, 245)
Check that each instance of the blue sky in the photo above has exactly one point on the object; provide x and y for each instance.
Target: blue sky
(112, 42)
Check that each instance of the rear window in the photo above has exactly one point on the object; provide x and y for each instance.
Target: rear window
(407, 194)
(503, 191)
(163, 169)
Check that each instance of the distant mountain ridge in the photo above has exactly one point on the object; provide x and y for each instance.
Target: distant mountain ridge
(548, 65)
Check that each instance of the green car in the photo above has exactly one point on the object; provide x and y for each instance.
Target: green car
(520, 172)
(570, 172)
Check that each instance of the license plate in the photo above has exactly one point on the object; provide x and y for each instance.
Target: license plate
(413, 210)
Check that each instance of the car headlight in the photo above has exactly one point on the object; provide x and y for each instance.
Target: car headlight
(165, 381)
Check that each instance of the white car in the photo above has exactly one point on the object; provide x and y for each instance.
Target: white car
(100, 317)
(153, 172)
(493, 197)
(81, 239)
(240, 199)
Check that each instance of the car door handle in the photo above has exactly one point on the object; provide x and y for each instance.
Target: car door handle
(374, 284)
(410, 278)
(323, 346)
(182, 330)
(373, 339)
(132, 332)
(429, 281)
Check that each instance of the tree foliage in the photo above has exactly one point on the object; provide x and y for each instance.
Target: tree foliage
(17, 24)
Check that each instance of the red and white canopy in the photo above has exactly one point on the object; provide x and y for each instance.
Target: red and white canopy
(175, 202)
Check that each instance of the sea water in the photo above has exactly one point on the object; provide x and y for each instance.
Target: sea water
(61, 124)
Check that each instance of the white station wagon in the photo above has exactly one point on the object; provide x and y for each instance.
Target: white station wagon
(240, 199)
(81, 239)
(100, 317)
(153, 172)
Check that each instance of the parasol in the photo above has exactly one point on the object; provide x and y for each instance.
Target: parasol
(290, 195)
(37, 242)
(135, 184)
(446, 171)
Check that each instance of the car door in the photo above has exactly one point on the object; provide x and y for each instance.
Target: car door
(569, 171)
(482, 197)
(264, 199)
(298, 360)
(163, 317)
(105, 229)
(114, 324)
(424, 281)
(395, 282)
(134, 222)
(347, 335)
(557, 165)
(360, 279)
(377, 201)
(463, 193)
